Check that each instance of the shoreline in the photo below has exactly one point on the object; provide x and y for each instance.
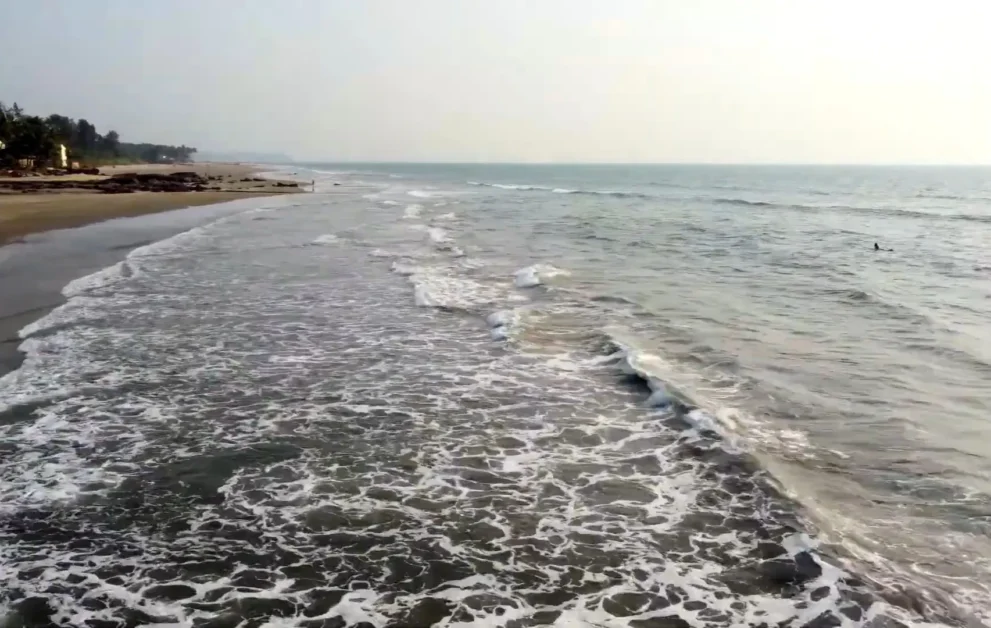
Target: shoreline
(56, 204)
(87, 232)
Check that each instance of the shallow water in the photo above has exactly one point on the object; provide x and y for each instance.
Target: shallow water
(507, 395)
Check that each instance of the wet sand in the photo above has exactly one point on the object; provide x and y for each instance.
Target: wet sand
(53, 238)
(22, 214)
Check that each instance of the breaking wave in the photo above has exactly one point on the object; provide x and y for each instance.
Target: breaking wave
(556, 190)
(893, 212)
(536, 275)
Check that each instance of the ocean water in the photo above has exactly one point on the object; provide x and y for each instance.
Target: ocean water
(520, 396)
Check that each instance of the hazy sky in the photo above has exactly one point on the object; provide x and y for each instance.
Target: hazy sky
(518, 80)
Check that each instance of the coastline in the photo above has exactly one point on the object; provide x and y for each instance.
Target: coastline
(26, 213)
(59, 237)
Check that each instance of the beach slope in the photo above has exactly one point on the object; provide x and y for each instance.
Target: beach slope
(34, 204)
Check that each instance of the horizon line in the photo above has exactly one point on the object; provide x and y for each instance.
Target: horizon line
(650, 163)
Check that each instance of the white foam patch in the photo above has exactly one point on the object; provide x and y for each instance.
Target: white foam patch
(412, 211)
(438, 235)
(444, 287)
(537, 274)
(509, 186)
(405, 269)
(327, 238)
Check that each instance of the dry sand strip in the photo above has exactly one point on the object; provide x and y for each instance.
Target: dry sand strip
(22, 214)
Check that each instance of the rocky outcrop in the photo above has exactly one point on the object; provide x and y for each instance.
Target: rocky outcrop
(129, 182)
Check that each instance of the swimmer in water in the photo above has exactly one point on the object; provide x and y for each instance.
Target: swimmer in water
(876, 247)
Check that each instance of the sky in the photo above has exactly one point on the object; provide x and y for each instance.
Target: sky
(685, 81)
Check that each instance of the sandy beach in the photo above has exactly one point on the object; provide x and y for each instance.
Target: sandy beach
(50, 237)
(23, 213)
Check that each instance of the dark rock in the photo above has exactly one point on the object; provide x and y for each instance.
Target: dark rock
(820, 593)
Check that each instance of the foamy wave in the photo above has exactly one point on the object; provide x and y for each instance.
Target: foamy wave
(558, 190)
(446, 288)
(412, 211)
(386, 444)
(181, 241)
(405, 269)
(100, 279)
(423, 194)
(437, 235)
(447, 216)
(380, 253)
(424, 298)
(501, 323)
(509, 186)
(535, 275)
(647, 367)
(328, 238)
(442, 241)
(670, 385)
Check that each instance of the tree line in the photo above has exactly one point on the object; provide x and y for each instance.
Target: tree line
(32, 137)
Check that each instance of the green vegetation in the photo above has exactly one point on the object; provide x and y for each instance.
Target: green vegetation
(35, 138)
